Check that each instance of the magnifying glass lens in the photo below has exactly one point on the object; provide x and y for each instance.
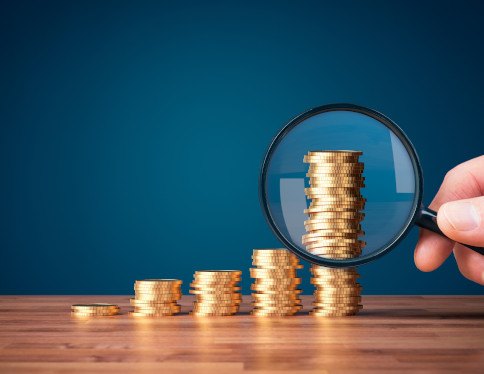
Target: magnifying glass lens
(384, 176)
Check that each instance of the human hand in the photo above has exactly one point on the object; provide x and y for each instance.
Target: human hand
(460, 206)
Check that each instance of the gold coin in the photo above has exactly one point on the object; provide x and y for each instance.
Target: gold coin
(157, 291)
(333, 282)
(335, 152)
(278, 301)
(351, 208)
(339, 222)
(333, 245)
(263, 296)
(344, 191)
(326, 294)
(326, 240)
(317, 198)
(277, 282)
(346, 248)
(274, 289)
(215, 304)
(334, 225)
(333, 207)
(165, 295)
(337, 166)
(336, 183)
(322, 163)
(216, 284)
(335, 256)
(220, 297)
(278, 270)
(337, 215)
(323, 231)
(340, 289)
(327, 278)
(97, 310)
(214, 291)
(323, 172)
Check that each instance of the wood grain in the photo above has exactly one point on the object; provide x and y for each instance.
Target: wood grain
(392, 334)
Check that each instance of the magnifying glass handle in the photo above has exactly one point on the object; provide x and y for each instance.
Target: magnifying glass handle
(428, 220)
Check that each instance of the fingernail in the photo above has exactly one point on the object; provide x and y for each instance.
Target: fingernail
(462, 216)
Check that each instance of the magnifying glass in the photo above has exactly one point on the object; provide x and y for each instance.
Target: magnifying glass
(393, 181)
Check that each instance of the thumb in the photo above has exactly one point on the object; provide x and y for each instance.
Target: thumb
(463, 220)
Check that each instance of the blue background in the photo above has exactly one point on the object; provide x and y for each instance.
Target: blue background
(132, 132)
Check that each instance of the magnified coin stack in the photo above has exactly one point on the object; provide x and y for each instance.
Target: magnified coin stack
(156, 297)
(334, 227)
(217, 292)
(275, 289)
(94, 310)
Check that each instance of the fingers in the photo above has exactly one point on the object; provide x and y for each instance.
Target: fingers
(471, 264)
(463, 221)
(431, 250)
(464, 181)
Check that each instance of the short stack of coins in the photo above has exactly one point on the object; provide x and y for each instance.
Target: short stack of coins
(334, 227)
(275, 289)
(217, 292)
(94, 310)
(338, 292)
(156, 297)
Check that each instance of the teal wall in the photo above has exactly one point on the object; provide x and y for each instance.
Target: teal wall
(131, 133)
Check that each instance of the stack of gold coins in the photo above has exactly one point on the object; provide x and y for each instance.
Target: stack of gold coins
(216, 292)
(334, 227)
(337, 291)
(94, 310)
(156, 297)
(275, 290)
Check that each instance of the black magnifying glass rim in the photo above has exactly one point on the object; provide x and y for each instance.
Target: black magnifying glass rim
(392, 126)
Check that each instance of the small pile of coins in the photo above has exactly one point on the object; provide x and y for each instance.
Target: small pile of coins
(334, 227)
(156, 297)
(94, 310)
(275, 291)
(216, 292)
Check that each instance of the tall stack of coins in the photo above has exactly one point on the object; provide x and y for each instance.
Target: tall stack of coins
(216, 292)
(156, 297)
(94, 310)
(333, 228)
(275, 289)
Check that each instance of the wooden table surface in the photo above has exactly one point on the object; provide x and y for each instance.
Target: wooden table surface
(392, 334)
